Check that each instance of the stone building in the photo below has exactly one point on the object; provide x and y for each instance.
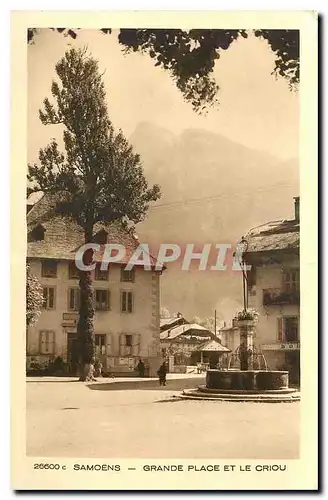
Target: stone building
(127, 303)
(273, 285)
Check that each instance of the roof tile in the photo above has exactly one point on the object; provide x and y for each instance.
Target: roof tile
(63, 237)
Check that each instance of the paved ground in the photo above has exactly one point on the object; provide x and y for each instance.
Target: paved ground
(129, 418)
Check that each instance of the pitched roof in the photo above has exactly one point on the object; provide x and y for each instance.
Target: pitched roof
(213, 345)
(63, 237)
(33, 198)
(189, 329)
(166, 323)
(276, 235)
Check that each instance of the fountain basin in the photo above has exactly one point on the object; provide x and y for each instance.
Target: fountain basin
(257, 380)
(243, 386)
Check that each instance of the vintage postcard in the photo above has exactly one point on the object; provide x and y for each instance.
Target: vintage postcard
(164, 251)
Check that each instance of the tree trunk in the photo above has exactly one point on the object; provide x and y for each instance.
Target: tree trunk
(85, 329)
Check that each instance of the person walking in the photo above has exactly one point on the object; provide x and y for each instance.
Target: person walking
(162, 374)
(141, 368)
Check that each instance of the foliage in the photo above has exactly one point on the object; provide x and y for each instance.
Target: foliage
(285, 45)
(165, 313)
(100, 170)
(247, 314)
(190, 55)
(180, 352)
(99, 175)
(208, 322)
(34, 297)
(196, 319)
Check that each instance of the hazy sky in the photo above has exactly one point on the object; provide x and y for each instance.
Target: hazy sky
(255, 109)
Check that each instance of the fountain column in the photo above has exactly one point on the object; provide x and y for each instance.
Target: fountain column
(246, 329)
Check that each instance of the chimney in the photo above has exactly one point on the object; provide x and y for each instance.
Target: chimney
(297, 208)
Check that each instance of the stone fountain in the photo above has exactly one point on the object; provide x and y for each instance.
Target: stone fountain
(250, 382)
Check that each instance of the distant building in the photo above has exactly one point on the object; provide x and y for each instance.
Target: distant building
(212, 353)
(230, 337)
(184, 338)
(127, 322)
(274, 290)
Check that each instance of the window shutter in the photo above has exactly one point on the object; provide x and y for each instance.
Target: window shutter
(130, 302)
(136, 344)
(46, 334)
(108, 344)
(71, 298)
(103, 344)
(51, 342)
(45, 297)
(122, 344)
(108, 300)
(287, 281)
(42, 343)
(280, 329)
(51, 298)
(123, 300)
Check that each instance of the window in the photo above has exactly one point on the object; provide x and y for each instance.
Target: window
(101, 275)
(102, 300)
(288, 329)
(47, 342)
(100, 344)
(73, 299)
(126, 301)
(49, 268)
(37, 233)
(127, 275)
(73, 272)
(48, 297)
(291, 280)
(291, 329)
(128, 340)
(130, 344)
(101, 237)
(251, 277)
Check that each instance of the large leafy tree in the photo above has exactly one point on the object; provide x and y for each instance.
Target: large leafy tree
(98, 170)
(190, 55)
(34, 297)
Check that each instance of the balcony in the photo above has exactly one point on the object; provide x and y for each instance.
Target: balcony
(279, 297)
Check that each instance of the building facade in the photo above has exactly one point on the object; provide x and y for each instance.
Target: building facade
(230, 337)
(273, 285)
(127, 303)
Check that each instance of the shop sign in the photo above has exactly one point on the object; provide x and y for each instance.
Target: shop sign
(288, 346)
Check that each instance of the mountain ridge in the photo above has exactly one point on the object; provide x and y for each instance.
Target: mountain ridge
(213, 190)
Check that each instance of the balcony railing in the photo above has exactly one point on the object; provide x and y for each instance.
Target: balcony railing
(279, 296)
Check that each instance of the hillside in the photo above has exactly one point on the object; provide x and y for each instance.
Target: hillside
(213, 190)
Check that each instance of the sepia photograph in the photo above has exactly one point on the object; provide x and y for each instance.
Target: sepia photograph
(163, 261)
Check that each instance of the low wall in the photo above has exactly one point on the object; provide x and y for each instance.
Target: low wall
(179, 369)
